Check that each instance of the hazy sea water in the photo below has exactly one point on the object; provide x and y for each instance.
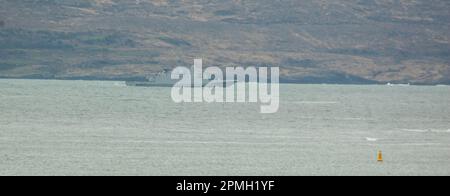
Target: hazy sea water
(107, 128)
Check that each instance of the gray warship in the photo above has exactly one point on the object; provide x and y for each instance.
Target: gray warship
(163, 79)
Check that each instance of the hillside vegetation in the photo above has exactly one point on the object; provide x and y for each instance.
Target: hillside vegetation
(313, 41)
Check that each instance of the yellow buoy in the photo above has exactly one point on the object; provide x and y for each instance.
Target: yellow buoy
(380, 156)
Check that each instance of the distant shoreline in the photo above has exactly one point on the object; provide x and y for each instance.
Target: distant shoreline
(282, 81)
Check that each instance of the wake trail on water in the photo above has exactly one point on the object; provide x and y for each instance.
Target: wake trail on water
(427, 130)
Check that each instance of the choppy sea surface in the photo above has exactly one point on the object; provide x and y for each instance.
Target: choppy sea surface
(106, 128)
